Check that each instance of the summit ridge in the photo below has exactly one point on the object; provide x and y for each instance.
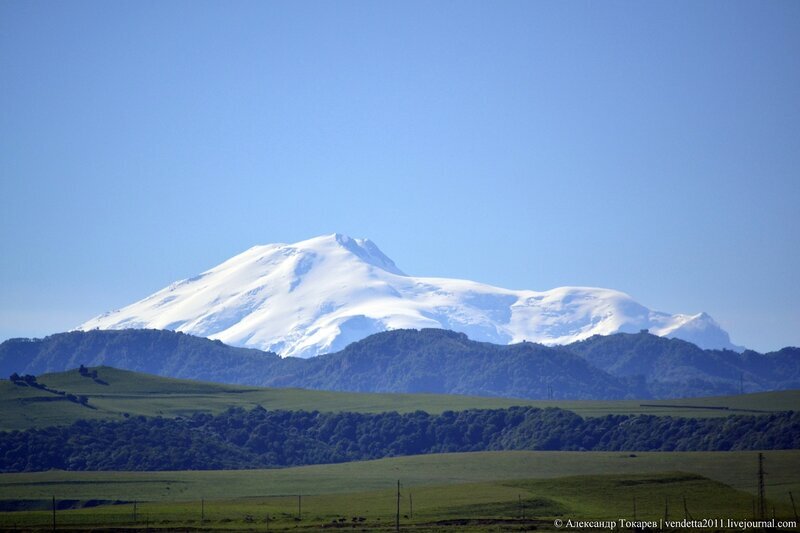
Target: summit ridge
(319, 295)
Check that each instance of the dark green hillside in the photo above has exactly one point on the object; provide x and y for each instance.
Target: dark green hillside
(441, 361)
(161, 352)
(676, 368)
(428, 361)
(431, 360)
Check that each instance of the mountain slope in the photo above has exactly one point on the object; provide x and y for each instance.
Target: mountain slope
(164, 353)
(431, 360)
(319, 295)
(441, 361)
(673, 367)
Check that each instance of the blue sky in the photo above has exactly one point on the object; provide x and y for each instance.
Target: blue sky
(650, 147)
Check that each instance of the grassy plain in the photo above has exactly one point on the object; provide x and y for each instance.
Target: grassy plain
(117, 392)
(483, 491)
(444, 487)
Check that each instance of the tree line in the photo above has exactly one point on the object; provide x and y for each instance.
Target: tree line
(29, 380)
(238, 438)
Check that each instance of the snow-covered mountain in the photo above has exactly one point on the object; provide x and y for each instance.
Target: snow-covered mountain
(318, 295)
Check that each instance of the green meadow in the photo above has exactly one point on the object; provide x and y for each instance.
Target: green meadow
(119, 393)
(482, 491)
(470, 491)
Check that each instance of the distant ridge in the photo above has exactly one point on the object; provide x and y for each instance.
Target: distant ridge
(618, 366)
(165, 353)
(319, 295)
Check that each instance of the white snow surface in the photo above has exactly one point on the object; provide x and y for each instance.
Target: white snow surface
(319, 295)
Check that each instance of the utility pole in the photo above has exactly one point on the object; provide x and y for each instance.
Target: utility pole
(794, 509)
(299, 506)
(762, 506)
(686, 509)
(202, 510)
(410, 506)
(397, 517)
(54, 513)
(134, 511)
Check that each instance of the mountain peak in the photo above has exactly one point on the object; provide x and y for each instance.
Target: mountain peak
(701, 329)
(364, 249)
(318, 295)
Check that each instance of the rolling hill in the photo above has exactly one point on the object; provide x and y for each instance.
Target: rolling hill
(115, 394)
(618, 366)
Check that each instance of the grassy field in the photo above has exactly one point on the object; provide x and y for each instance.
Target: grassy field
(118, 392)
(737, 469)
(485, 491)
(476, 491)
(461, 507)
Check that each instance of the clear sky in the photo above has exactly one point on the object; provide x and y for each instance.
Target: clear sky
(649, 147)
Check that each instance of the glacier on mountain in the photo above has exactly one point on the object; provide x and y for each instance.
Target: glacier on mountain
(318, 295)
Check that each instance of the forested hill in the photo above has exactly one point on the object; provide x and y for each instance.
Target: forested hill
(441, 361)
(152, 351)
(674, 367)
(260, 438)
(430, 360)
